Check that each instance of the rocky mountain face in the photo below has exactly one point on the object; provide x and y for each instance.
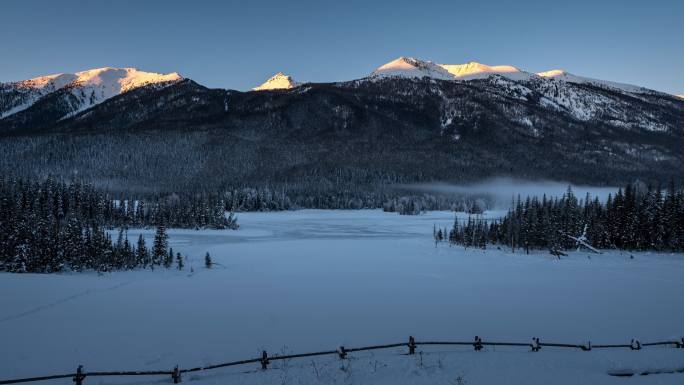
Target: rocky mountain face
(409, 122)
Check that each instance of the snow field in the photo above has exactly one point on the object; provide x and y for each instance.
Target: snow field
(312, 280)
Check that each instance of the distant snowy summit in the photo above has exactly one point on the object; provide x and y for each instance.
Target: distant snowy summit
(279, 81)
(475, 70)
(112, 81)
(88, 88)
(409, 67)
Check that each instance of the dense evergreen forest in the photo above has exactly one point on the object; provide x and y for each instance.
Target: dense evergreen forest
(416, 204)
(632, 219)
(83, 200)
(49, 227)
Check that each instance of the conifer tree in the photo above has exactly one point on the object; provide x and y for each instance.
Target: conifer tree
(142, 255)
(160, 247)
(179, 261)
(168, 260)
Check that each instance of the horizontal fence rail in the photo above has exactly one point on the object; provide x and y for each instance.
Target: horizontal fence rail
(535, 345)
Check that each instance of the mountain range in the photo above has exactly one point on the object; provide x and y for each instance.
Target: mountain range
(409, 121)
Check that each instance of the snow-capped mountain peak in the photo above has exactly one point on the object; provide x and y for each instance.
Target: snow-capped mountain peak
(94, 86)
(119, 80)
(89, 87)
(279, 81)
(474, 70)
(409, 67)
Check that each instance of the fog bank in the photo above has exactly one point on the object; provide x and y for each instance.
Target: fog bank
(502, 190)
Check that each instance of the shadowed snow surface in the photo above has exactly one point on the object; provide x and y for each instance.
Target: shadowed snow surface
(313, 280)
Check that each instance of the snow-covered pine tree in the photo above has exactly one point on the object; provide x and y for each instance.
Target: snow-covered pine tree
(142, 255)
(160, 246)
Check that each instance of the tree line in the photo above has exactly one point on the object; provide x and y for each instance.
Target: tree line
(199, 211)
(51, 227)
(635, 218)
(417, 204)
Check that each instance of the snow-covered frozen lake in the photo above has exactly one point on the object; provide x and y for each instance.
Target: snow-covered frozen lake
(313, 280)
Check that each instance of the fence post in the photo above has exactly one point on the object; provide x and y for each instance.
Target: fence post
(477, 344)
(342, 353)
(536, 346)
(412, 345)
(264, 360)
(80, 376)
(176, 375)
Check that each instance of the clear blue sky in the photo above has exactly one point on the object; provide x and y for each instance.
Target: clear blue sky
(238, 44)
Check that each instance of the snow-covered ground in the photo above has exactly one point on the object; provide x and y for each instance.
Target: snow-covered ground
(313, 280)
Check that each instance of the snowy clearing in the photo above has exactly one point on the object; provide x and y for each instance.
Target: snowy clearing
(312, 280)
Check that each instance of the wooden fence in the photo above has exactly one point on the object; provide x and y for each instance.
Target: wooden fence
(176, 373)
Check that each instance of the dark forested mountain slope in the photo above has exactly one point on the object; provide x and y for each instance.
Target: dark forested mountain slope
(354, 136)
